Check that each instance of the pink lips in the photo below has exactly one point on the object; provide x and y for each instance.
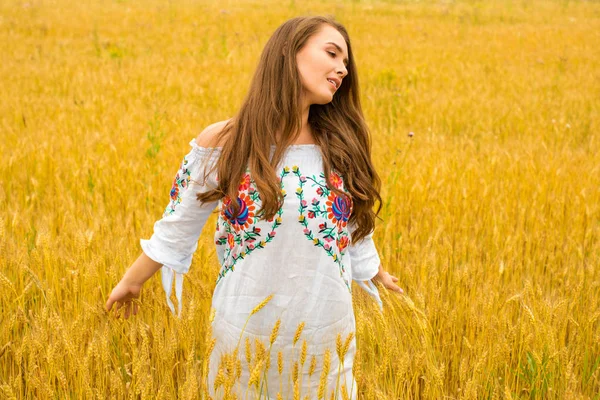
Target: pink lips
(338, 81)
(332, 85)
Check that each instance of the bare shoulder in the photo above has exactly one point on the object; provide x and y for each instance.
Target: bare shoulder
(210, 135)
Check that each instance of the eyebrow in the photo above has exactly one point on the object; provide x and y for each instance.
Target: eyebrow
(340, 50)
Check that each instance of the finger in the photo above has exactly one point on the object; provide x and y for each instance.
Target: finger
(117, 309)
(394, 279)
(135, 309)
(109, 304)
(394, 288)
(127, 309)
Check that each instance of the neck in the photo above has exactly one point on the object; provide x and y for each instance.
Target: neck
(306, 135)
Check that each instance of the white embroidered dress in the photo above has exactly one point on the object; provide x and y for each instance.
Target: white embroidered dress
(304, 257)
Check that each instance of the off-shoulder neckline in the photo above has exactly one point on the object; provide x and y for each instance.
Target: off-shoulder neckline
(289, 147)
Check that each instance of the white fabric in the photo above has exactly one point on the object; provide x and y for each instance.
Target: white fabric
(304, 257)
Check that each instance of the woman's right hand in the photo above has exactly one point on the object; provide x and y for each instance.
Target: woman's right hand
(124, 294)
(128, 289)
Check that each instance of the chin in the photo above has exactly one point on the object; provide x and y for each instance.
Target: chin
(322, 98)
(326, 99)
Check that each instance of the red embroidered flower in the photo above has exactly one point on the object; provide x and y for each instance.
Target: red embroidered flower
(342, 243)
(230, 241)
(336, 180)
(245, 183)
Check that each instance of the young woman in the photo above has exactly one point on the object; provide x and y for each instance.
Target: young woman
(293, 182)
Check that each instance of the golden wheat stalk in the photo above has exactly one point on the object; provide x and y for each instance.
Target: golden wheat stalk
(256, 372)
(298, 332)
(261, 305)
(248, 348)
(324, 373)
(347, 344)
(275, 331)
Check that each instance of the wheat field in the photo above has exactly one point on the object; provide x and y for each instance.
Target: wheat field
(485, 119)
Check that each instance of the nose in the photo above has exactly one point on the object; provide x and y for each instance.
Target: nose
(342, 71)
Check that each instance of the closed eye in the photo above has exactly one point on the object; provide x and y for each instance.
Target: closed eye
(332, 53)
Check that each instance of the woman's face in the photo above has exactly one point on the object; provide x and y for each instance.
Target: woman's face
(320, 60)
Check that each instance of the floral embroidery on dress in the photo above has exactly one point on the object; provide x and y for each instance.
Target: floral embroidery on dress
(246, 215)
(338, 209)
(180, 183)
(335, 210)
(240, 235)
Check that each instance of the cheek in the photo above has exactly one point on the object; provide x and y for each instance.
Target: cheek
(304, 74)
(310, 73)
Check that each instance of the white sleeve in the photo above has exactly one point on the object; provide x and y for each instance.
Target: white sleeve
(175, 236)
(364, 263)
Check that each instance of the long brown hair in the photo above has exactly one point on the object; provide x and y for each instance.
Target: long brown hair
(338, 127)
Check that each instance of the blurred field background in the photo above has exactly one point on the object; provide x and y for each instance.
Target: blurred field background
(491, 217)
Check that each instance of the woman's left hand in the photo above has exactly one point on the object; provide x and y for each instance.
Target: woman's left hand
(388, 281)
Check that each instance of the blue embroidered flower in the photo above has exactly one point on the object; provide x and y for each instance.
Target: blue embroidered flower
(339, 209)
(246, 216)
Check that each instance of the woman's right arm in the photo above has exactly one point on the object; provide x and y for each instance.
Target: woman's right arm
(141, 270)
(131, 284)
(175, 236)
